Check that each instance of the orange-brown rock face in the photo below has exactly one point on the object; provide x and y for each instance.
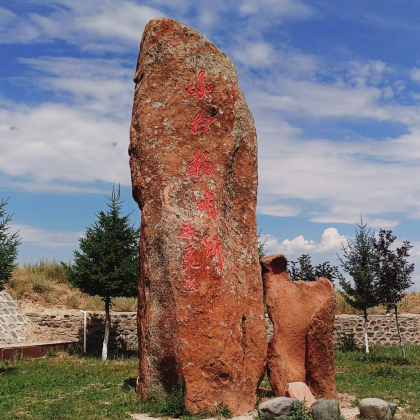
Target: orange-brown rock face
(302, 346)
(193, 157)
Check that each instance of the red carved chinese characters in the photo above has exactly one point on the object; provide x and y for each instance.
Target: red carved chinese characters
(208, 205)
(201, 91)
(190, 285)
(212, 249)
(189, 260)
(200, 167)
(187, 230)
(188, 257)
(200, 124)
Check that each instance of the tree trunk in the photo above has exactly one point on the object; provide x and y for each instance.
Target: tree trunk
(399, 332)
(107, 326)
(366, 332)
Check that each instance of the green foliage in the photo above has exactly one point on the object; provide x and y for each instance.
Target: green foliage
(302, 269)
(107, 263)
(223, 412)
(392, 271)
(299, 412)
(357, 261)
(9, 243)
(39, 284)
(262, 252)
(51, 352)
(171, 404)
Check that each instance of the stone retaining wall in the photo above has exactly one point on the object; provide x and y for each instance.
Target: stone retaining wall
(382, 330)
(348, 329)
(13, 324)
(69, 327)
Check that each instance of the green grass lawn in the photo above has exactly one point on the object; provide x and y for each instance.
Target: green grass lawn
(74, 387)
(382, 374)
(68, 387)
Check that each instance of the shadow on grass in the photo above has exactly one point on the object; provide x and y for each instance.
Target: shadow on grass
(8, 370)
(265, 393)
(130, 383)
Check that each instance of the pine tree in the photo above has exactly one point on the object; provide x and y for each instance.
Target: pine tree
(302, 269)
(8, 246)
(108, 262)
(358, 261)
(392, 273)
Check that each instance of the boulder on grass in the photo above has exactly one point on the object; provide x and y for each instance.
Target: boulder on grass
(325, 410)
(375, 409)
(277, 408)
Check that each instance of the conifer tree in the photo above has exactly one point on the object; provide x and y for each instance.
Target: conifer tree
(9, 243)
(302, 269)
(108, 261)
(392, 273)
(358, 262)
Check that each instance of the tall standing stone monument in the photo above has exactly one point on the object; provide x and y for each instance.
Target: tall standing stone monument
(193, 158)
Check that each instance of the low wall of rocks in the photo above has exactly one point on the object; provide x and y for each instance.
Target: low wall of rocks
(382, 330)
(69, 327)
(13, 324)
(348, 330)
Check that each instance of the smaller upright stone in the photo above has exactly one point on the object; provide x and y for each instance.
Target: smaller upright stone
(302, 346)
(375, 409)
(325, 410)
(300, 391)
(277, 408)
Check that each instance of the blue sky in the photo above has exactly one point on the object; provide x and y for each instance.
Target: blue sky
(334, 87)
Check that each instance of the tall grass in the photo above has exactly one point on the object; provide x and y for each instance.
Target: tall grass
(410, 304)
(45, 283)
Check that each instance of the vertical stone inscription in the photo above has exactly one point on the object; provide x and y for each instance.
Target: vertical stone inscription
(193, 158)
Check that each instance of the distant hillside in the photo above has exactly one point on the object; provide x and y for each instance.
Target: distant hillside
(44, 285)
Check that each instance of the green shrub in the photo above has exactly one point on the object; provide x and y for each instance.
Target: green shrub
(299, 412)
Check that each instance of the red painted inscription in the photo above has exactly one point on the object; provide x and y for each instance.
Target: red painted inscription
(212, 249)
(190, 285)
(200, 166)
(208, 205)
(187, 230)
(201, 91)
(189, 259)
(200, 124)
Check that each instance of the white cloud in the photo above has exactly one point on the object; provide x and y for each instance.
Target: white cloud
(97, 24)
(46, 238)
(119, 20)
(81, 141)
(53, 142)
(278, 8)
(256, 54)
(330, 244)
(415, 74)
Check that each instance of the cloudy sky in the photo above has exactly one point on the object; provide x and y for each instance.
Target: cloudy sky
(334, 87)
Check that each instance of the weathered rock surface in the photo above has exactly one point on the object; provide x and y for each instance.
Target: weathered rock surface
(302, 346)
(300, 391)
(325, 410)
(277, 408)
(193, 158)
(375, 409)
